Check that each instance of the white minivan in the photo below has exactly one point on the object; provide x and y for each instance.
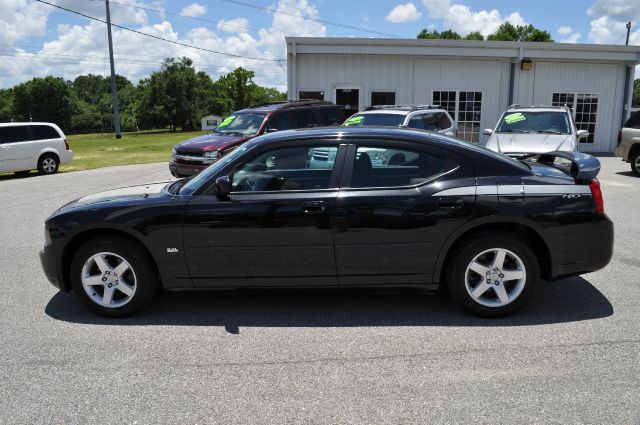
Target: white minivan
(26, 146)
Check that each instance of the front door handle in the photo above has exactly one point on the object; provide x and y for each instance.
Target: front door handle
(314, 207)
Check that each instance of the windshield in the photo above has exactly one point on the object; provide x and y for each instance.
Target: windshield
(391, 120)
(241, 124)
(535, 122)
(204, 176)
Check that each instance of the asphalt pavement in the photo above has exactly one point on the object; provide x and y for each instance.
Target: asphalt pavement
(571, 356)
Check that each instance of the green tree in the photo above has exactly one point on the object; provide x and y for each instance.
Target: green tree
(240, 87)
(6, 105)
(475, 35)
(45, 99)
(436, 35)
(509, 32)
(636, 92)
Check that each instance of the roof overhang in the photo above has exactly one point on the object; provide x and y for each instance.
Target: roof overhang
(462, 48)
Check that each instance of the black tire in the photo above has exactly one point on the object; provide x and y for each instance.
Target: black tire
(142, 269)
(635, 163)
(48, 164)
(457, 275)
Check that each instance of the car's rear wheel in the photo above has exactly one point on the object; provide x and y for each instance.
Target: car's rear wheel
(635, 163)
(48, 164)
(113, 277)
(493, 275)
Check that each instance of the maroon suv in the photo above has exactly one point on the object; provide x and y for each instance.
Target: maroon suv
(194, 155)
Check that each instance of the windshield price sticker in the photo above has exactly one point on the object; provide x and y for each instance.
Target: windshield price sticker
(227, 121)
(354, 120)
(514, 118)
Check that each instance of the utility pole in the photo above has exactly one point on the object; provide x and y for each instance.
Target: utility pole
(114, 89)
(628, 32)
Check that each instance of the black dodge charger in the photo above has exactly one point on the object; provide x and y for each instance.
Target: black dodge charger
(339, 207)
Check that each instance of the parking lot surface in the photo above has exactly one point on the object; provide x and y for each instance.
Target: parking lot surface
(571, 356)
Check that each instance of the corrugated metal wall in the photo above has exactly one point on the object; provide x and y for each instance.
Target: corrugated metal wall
(414, 79)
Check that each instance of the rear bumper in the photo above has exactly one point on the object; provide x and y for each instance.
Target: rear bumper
(179, 169)
(66, 156)
(590, 251)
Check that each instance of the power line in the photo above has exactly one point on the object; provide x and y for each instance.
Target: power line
(157, 37)
(321, 21)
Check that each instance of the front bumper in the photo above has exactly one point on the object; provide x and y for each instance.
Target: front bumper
(180, 169)
(49, 262)
(622, 151)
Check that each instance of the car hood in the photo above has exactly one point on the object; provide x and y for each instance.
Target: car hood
(530, 143)
(130, 194)
(211, 141)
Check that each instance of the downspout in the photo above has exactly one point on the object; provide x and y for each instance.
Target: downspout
(512, 74)
(628, 93)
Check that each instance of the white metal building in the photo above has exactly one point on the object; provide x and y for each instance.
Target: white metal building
(474, 80)
(210, 122)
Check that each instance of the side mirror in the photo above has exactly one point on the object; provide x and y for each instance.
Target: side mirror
(582, 134)
(223, 186)
(487, 131)
(450, 134)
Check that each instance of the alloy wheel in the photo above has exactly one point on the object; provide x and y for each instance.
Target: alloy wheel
(495, 277)
(109, 280)
(49, 165)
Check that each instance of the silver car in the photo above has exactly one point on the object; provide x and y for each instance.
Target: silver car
(536, 129)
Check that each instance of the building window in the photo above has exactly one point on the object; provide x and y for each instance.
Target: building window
(466, 108)
(584, 108)
(212, 123)
(316, 95)
(383, 98)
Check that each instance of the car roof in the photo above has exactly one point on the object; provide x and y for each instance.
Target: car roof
(280, 105)
(9, 124)
(539, 109)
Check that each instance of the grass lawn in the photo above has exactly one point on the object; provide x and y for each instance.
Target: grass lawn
(103, 150)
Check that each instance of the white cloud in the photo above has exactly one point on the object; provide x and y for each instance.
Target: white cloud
(462, 19)
(233, 25)
(573, 38)
(81, 49)
(610, 19)
(404, 13)
(194, 10)
(565, 30)
(21, 19)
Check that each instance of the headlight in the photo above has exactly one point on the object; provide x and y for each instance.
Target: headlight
(212, 155)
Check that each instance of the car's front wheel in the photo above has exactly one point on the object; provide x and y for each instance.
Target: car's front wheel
(635, 163)
(493, 275)
(113, 277)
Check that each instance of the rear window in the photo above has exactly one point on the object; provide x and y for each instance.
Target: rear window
(14, 133)
(41, 132)
(392, 120)
(633, 121)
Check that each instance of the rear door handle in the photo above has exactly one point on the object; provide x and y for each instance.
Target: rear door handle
(314, 207)
(451, 204)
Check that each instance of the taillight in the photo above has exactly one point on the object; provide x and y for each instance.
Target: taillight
(619, 137)
(66, 144)
(596, 192)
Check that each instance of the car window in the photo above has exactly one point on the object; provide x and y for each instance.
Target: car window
(391, 120)
(279, 122)
(241, 124)
(535, 122)
(283, 169)
(443, 121)
(391, 167)
(304, 119)
(331, 116)
(417, 121)
(431, 123)
(42, 132)
(633, 121)
(14, 133)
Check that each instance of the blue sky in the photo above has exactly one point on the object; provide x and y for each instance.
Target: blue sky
(37, 39)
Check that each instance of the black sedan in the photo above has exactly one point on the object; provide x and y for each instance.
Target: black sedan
(339, 207)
